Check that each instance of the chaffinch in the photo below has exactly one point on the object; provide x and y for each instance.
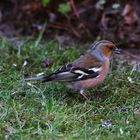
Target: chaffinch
(87, 71)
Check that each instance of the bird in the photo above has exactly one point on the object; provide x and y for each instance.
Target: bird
(87, 71)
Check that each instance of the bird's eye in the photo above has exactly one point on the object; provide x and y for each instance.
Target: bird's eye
(111, 48)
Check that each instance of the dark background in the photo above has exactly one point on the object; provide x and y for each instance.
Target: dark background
(84, 20)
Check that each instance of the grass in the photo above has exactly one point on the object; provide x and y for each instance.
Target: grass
(52, 111)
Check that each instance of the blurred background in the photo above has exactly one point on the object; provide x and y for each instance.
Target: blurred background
(82, 20)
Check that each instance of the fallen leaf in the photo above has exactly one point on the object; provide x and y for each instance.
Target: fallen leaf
(137, 112)
(130, 16)
(121, 131)
(106, 123)
(45, 63)
(10, 129)
(1, 68)
(24, 63)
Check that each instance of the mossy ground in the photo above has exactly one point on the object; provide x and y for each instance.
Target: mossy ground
(52, 111)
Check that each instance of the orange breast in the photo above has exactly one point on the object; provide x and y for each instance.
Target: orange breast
(95, 81)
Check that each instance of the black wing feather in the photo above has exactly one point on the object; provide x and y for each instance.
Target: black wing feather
(69, 73)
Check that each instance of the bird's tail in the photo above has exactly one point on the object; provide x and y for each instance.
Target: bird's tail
(42, 78)
(62, 77)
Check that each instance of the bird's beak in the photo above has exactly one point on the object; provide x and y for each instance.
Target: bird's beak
(117, 51)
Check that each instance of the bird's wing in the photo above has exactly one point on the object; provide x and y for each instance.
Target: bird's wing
(87, 61)
(70, 73)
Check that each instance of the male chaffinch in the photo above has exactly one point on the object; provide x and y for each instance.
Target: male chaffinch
(87, 71)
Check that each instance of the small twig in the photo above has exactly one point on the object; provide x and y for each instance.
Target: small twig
(75, 32)
(61, 27)
(79, 18)
(74, 9)
(58, 26)
(84, 10)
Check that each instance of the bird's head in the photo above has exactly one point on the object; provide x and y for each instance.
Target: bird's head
(103, 49)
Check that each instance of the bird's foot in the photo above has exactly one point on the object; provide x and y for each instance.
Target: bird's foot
(83, 94)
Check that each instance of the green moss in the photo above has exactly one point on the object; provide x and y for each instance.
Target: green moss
(52, 111)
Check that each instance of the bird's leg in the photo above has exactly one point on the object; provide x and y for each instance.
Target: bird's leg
(83, 94)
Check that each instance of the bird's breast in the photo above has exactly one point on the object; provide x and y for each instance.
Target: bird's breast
(92, 82)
